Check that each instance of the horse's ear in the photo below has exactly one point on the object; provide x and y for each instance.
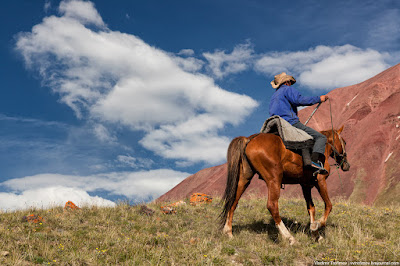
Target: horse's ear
(340, 130)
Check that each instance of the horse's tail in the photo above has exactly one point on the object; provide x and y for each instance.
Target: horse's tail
(234, 157)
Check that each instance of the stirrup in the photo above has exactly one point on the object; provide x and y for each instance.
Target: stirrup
(320, 169)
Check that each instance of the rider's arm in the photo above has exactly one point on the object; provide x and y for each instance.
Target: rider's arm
(297, 99)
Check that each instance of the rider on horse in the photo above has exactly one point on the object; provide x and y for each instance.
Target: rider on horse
(284, 103)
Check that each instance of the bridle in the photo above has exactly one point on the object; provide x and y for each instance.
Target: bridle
(336, 154)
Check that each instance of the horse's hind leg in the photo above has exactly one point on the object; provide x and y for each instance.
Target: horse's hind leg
(273, 207)
(244, 180)
(242, 185)
(272, 173)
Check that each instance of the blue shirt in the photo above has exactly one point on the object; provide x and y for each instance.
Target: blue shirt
(286, 99)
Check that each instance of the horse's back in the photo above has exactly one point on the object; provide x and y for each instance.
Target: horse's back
(266, 145)
(268, 151)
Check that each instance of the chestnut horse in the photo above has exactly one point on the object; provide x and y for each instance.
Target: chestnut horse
(266, 155)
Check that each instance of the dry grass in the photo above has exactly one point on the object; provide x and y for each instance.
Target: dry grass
(124, 236)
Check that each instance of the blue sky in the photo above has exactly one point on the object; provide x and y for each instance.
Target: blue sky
(109, 100)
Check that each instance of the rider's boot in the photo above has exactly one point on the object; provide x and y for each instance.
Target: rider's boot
(317, 162)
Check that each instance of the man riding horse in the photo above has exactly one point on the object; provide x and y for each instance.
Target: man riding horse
(266, 155)
(284, 103)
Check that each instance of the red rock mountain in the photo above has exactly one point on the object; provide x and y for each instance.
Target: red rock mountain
(370, 113)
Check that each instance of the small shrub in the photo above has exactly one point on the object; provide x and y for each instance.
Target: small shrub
(228, 251)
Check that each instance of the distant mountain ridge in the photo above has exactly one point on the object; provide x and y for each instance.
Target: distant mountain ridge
(370, 113)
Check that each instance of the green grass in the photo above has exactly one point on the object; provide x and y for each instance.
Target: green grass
(124, 236)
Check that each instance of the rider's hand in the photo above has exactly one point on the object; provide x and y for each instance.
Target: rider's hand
(324, 98)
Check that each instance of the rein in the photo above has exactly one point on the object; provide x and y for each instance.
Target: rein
(335, 152)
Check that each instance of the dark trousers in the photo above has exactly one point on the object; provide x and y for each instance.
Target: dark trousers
(320, 140)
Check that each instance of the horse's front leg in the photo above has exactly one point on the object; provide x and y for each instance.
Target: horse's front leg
(314, 225)
(323, 191)
(310, 207)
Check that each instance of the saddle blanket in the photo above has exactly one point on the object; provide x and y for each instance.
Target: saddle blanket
(292, 137)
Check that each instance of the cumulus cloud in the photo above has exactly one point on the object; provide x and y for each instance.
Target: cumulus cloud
(117, 78)
(82, 11)
(48, 197)
(189, 64)
(222, 64)
(206, 146)
(186, 60)
(325, 67)
(49, 189)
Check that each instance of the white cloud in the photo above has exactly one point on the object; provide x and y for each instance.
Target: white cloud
(325, 67)
(133, 185)
(48, 197)
(205, 146)
(83, 11)
(186, 52)
(222, 64)
(103, 134)
(33, 121)
(127, 160)
(47, 5)
(189, 64)
(112, 77)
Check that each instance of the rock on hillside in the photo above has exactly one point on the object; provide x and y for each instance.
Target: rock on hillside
(370, 112)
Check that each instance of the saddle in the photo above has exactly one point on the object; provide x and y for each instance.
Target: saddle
(293, 138)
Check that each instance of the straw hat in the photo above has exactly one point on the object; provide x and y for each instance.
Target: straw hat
(280, 79)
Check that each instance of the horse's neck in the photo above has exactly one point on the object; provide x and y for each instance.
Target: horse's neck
(328, 149)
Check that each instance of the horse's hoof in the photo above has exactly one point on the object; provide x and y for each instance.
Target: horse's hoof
(228, 233)
(315, 226)
(292, 241)
(319, 239)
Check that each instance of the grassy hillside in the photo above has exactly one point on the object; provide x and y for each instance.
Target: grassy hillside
(125, 236)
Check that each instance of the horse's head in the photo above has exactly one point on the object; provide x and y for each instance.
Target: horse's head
(338, 145)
